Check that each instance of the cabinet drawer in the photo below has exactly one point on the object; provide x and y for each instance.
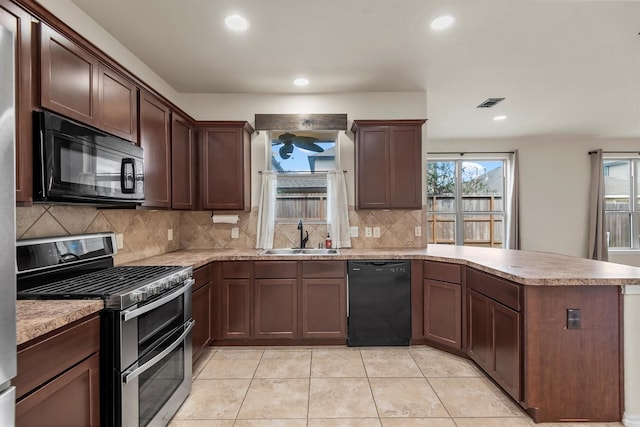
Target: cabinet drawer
(40, 362)
(276, 269)
(498, 289)
(236, 269)
(202, 276)
(443, 272)
(312, 269)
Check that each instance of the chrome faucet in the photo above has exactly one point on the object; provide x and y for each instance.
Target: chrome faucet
(303, 241)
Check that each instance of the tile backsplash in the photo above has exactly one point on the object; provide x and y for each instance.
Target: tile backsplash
(145, 232)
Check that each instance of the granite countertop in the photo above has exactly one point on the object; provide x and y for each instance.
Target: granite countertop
(524, 267)
(37, 317)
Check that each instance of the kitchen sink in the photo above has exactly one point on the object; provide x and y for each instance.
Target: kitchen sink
(298, 251)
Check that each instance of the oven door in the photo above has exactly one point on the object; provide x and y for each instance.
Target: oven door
(154, 388)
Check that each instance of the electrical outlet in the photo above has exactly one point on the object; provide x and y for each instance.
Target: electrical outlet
(376, 232)
(235, 233)
(573, 318)
(353, 231)
(119, 241)
(367, 232)
(170, 234)
(418, 231)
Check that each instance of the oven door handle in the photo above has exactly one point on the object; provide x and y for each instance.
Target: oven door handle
(131, 314)
(129, 375)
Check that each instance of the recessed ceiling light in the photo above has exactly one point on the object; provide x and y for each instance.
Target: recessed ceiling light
(499, 118)
(301, 81)
(442, 22)
(236, 22)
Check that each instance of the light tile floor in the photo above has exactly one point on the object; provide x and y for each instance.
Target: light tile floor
(414, 386)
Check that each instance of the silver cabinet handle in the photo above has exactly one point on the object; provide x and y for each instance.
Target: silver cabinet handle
(128, 375)
(130, 314)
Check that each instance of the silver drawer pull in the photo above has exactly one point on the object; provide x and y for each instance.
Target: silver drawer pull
(130, 314)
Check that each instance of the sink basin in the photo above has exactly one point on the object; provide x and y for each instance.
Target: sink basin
(296, 251)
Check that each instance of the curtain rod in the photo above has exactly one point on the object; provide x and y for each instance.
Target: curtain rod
(615, 152)
(462, 153)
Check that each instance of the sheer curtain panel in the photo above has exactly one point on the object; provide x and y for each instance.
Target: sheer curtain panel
(267, 210)
(337, 209)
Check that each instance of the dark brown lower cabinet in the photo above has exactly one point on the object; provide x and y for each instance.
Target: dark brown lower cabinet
(236, 309)
(58, 381)
(276, 308)
(443, 312)
(494, 341)
(202, 309)
(324, 308)
(71, 399)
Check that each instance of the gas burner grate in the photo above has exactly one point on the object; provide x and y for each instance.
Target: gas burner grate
(99, 284)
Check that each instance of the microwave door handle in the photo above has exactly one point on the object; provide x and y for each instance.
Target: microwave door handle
(129, 375)
(130, 314)
(128, 169)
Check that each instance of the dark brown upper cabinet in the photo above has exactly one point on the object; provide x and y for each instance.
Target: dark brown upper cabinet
(225, 169)
(183, 180)
(69, 77)
(155, 139)
(76, 84)
(18, 22)
(388, 164)
(118, 113)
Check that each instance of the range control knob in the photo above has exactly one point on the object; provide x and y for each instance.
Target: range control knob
(137, 296)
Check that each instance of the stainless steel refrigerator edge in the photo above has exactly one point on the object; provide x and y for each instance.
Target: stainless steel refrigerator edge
(7, 227)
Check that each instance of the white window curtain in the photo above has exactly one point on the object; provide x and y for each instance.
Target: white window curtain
(337, 209)
(267, 210)
(597, 227)
(513, 207)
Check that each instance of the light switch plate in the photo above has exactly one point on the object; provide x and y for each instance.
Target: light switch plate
(376, 232)
(418, 231)
(119, 241)
(235, 233)
(170, 234)
(353, 231)
(368, 232)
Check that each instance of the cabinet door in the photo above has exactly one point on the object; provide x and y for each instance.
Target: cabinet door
(373, 167)
(443, 313)
(480, 341)
(405, 167)
(201, 308)
(236, 308)
(506, 332)
(224, 154)
(276, 307)
(154, 139)
(182, 164)
(324, 308)
(71, 399)
(18, 22)
(118, 105)
(69, 77)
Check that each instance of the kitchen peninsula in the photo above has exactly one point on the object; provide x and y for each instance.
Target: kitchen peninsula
(546, 327)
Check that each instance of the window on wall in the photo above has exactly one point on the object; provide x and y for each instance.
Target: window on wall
(466, 202)
(301, 159)
(622, 202)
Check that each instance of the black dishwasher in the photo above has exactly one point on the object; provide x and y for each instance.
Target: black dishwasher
(379, 303)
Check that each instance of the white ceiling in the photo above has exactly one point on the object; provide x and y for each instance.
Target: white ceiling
(564, 67)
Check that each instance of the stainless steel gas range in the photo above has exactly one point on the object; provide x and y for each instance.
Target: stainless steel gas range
(145, 353)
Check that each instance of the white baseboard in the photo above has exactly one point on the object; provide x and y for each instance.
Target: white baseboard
(631, 420)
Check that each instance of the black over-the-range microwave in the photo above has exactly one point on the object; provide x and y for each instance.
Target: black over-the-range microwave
(74, 163)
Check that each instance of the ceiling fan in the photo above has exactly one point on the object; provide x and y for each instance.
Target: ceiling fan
(303, 142)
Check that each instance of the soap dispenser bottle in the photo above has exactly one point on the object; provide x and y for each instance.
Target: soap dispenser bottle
(327, 243)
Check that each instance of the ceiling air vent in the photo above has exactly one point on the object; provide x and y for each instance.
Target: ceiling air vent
(490, 102)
